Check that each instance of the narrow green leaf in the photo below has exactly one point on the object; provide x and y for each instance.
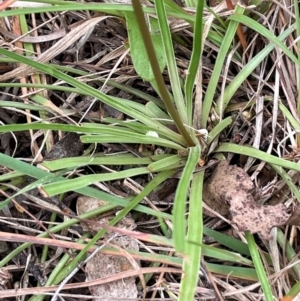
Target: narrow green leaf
(255, 153)
(224, 255)
(84, 181)
(76, 162)
(10, 175)
(194, 61)
(47, 178)
(156, 112)
(265, 284)
(168, 163)
(288, 180)
(228, 241)
(171, 61)
(129, 139)
(293, 292)
(158, 79)
(289, 251)
(112, 101)
(266, 33)
(246, 71)
(210, 91)
(238, 272)
(181, 198)
(191, 262)
(91, 128)
(218, 129)
(37, 173)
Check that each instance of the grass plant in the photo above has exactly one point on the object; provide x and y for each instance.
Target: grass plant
(167, 122)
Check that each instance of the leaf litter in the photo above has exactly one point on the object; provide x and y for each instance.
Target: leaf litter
(237, 200)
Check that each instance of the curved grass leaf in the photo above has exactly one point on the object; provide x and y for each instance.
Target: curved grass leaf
(91, 128)
(266, 33)
(255, 153)
(246, 71)
(156, 112)
(36, 173)
(84, 181)
(111, 101)
(218, 129)
(224, 255)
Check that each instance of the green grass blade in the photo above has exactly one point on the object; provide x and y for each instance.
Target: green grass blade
(289, 116)
(71, 6)
(37, 173)
(288, 180)
(246, 71)
(152, 185)
(219, 64)
(265, 285)
(167, 163)
(194, 62)
(224, 255)
(171, 62)
(112, 159)
(239, 272)
(156, 112)
(293, 292)
(92, 92)
(162, 90)
(181, 198)
(112, 9)
(35, 184)
(10, 175)
(130, 139)
(255, 153)
(84, 181)
(228, 241)
(266, 33)
(191, 262)
(289, 251)
(218, 129)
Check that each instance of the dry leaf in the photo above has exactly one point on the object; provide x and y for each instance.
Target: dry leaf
(102, 265)
(228, 192)
(5, 279)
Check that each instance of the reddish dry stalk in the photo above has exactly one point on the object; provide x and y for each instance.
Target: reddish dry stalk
(239, 31)
(6, 4)
(71, 245)
(118, 276)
